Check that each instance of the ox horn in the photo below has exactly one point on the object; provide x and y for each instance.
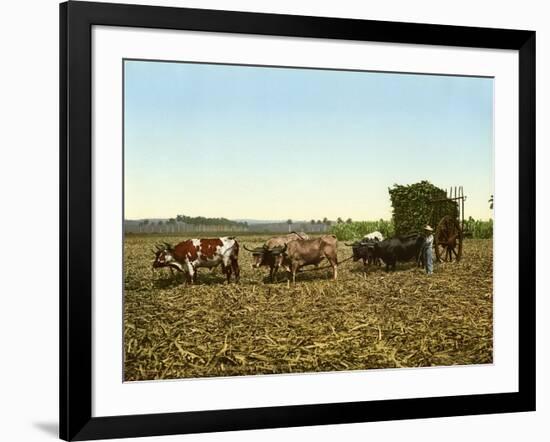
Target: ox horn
(256, 250)
(278, 250)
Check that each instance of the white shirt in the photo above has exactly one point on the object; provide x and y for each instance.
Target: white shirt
(429, 241)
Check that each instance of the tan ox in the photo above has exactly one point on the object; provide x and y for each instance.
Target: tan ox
(269, 254)
(297, 254)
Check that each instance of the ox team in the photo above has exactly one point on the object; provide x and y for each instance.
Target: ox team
(291, 252)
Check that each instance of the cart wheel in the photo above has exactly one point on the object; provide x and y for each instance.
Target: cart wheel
(448, 240)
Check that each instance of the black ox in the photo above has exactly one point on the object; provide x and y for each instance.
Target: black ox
(364, 250)
(399, 249)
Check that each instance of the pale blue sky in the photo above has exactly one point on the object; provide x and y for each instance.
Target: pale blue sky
(278, 143)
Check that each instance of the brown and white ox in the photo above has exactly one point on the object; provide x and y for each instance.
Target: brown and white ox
(188, 256)
(297, 254)
(269, 255)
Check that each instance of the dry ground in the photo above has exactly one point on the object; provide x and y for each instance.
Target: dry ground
(398, 319)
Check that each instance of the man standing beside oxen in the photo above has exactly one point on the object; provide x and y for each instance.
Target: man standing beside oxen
(427, 252)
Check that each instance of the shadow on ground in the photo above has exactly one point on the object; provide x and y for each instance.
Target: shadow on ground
(49, 428)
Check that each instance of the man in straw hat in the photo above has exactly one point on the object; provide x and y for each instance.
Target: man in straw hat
(427, 252)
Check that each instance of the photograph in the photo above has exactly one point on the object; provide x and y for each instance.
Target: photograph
(285, 220)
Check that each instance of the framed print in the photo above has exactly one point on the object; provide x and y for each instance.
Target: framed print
(273, 220)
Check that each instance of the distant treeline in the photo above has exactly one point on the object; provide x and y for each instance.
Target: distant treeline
(344, 230)
(203, 221)
(183, 223)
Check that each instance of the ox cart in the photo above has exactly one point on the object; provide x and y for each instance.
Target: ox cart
(415, 206)
(449, 232)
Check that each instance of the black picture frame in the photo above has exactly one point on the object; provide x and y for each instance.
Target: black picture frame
(76, 21)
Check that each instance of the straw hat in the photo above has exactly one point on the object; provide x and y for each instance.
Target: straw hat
(428, 228)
